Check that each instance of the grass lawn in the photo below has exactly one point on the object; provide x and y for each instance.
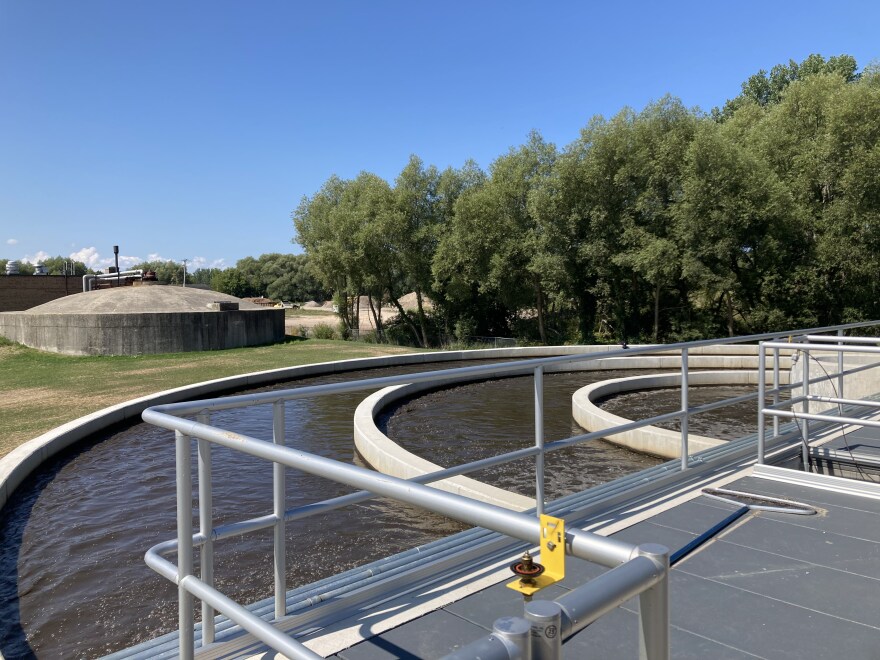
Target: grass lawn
(39, 390)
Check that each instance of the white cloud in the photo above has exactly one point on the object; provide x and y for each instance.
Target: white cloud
(93, 259)
(202, 262)
(11, 241)
(127, 262)
(89, 256)
(34, 258)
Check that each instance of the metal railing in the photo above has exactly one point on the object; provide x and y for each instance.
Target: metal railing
(807, 346)
(636, 578)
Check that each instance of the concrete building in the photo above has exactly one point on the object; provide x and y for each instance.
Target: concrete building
(143, 319)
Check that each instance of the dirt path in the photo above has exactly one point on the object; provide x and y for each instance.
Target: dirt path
(294, 321)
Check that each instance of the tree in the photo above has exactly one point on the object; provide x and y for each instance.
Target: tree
(348, 230)
(232, 282)
(494, 242)
(661, 134)
(167, 272)
(734, 224)
(202, 276)
(61, 266)
(765, 89)
(664, 222)
(416, 241)
(328, 239)
(288, 277)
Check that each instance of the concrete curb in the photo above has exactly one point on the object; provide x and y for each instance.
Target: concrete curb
(386, 456)
(651, 439)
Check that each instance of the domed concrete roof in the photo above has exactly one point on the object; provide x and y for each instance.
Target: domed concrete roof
(139, 320)
(139, 300)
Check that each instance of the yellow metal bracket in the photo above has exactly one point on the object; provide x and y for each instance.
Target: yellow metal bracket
(552, 558)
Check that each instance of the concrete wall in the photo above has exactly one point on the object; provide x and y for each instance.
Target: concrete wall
(859, 385)
(139, 334)
(386, 456)
(651, 439)
(18, 292)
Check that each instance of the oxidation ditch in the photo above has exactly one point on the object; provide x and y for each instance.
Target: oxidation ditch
(726, 423)
(73, 582)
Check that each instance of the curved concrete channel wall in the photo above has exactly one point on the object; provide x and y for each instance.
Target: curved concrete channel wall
(142, 334)
(20, 462)
(651, 439)
(385, 455)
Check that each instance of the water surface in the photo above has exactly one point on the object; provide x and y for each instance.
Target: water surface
(73, 582)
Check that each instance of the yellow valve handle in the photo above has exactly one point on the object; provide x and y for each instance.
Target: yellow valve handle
(552, 558)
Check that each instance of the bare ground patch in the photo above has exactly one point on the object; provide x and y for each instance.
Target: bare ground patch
(26, 396)
(31, 398)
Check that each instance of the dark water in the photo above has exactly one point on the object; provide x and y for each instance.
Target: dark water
(73, 582)
(75, 535)
(727, 423)
(463, 423)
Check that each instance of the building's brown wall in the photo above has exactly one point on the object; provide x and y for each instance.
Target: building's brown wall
(20, 292)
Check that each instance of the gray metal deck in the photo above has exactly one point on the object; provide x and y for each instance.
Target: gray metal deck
(855, 453)
(772, 586)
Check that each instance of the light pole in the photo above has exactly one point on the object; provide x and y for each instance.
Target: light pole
(116, 256)
(184, 272)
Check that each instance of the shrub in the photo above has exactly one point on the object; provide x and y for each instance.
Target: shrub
(323, 331)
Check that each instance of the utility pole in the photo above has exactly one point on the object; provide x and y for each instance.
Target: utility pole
(184, 272)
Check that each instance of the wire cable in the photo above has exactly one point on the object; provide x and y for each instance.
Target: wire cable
(843, 432)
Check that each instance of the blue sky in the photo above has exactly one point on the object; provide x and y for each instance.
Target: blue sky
(192, 129)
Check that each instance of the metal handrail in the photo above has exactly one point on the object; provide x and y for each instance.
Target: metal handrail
(582, 544)
(805, 344)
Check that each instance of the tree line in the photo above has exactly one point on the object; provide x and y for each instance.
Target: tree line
(277, 276)
(663, 224)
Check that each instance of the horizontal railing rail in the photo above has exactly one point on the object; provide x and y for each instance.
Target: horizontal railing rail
(413, 491)
(808, 345)
(499, 369)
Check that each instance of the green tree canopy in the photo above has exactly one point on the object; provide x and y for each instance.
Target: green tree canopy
(662, 223)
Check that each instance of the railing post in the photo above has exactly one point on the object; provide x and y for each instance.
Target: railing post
(515, 632)
(539, 440)
(761, 387)
(545, 618)
(805, 423)
(206, 525)
(184, 544)
(279, 500)
(684, 409)
(840, 367)
(775, 390)
(654, 608)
